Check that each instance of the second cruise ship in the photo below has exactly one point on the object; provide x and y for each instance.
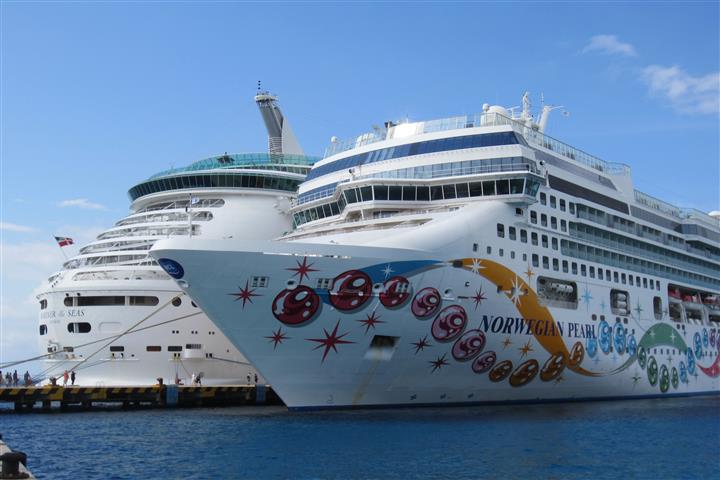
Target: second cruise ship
(116, 318)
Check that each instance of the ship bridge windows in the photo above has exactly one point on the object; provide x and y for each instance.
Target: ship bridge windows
(417, 193)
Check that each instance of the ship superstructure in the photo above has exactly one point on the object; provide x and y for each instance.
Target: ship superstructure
(116, 318)
(464, 260)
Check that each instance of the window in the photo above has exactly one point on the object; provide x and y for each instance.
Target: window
(193, 346)
(145, 301)
(592, 272)
(500, 230)
(99, 301)
(534, 238)
(554, 243)
(174, 348)
(543, 198)
(623, 279)
(475, 247)
(117, 348)
(565, 268)
(616, 277)
(583, 270)
(68, 301)
(512, 254)
(43, 304)
(475, 189)
(600, 274)
(488, 188)
(657, 308)
(619, 302)
(574, 268)
(523, 235)
(511, 233)
(535, 260)
(259, 282)
(544, 241)
(533, 217)
(553, 223)
(546, 262)
(543, 220)
(78, 327)
(562, 205)
(501, 252)
(489, 250)
(563, 226)
(571, 208)
(556, 264)
(553, 201)
(177, 301)
(630, 278)
(43, 329)
(645, 282)
(153, 348)
(462, 190)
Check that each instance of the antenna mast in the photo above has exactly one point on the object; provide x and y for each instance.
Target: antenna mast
(281, 138)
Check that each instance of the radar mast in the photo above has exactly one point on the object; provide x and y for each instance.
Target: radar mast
(281, 138)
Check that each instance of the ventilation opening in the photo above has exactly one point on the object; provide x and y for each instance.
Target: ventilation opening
(382, 347)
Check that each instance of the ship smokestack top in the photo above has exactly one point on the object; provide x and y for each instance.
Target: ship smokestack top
(281, 138)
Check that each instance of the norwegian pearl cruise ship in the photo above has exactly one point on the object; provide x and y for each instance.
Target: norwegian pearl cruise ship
(116, 318)
(468, 260)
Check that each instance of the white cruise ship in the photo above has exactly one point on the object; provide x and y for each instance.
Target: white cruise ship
(468, 260)
(114, 316)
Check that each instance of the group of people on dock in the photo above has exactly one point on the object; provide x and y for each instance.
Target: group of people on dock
(13, 380)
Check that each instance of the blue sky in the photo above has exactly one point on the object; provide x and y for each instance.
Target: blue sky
(97, 96)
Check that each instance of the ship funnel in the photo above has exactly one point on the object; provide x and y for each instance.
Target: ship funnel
(281, 138)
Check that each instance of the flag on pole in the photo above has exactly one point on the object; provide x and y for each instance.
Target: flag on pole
(64, 241)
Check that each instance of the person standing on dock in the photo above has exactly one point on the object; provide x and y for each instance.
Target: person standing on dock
(256, 379)
(8, 379)
(66, 376)
(1, 378)
(248, 378)
(72, 377)
(15, 378)
(27, 378)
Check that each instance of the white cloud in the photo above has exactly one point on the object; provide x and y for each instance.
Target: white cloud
(14, 227)
(684, 92)
(83, 203)
(610, 45)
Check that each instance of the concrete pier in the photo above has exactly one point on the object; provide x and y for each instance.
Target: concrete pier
(50, 398)
(13, 464)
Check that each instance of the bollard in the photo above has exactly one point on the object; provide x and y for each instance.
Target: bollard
(10, 462)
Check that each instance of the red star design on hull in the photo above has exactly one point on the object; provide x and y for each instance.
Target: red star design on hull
(525, 349)
(439, 363)
(421, 344)
(245, 294)
(371, 321)
(302, 269)
(330, 340)
(277, 337)
(478, 298)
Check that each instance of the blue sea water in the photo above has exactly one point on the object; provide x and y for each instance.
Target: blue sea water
(653, 439)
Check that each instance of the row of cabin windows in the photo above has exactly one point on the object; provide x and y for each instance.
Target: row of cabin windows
(110, 300)
(554, 203)
(598, 255)
(553, 243)
(624, 243)
(413, 193)
(544, 221)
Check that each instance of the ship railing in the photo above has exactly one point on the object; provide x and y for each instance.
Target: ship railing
(434, 173)
(677, 212)
(488, 119)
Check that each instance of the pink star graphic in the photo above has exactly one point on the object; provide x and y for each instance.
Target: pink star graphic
(439, 363)
(245, 294)
(370, 321)
(302, 269)
(421, 344)
(330, 340)
(479, 297)
(277, 337)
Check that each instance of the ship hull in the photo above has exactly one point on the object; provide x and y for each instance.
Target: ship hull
(336, 329)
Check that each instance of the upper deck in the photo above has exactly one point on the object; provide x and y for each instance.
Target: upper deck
(240, 170)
